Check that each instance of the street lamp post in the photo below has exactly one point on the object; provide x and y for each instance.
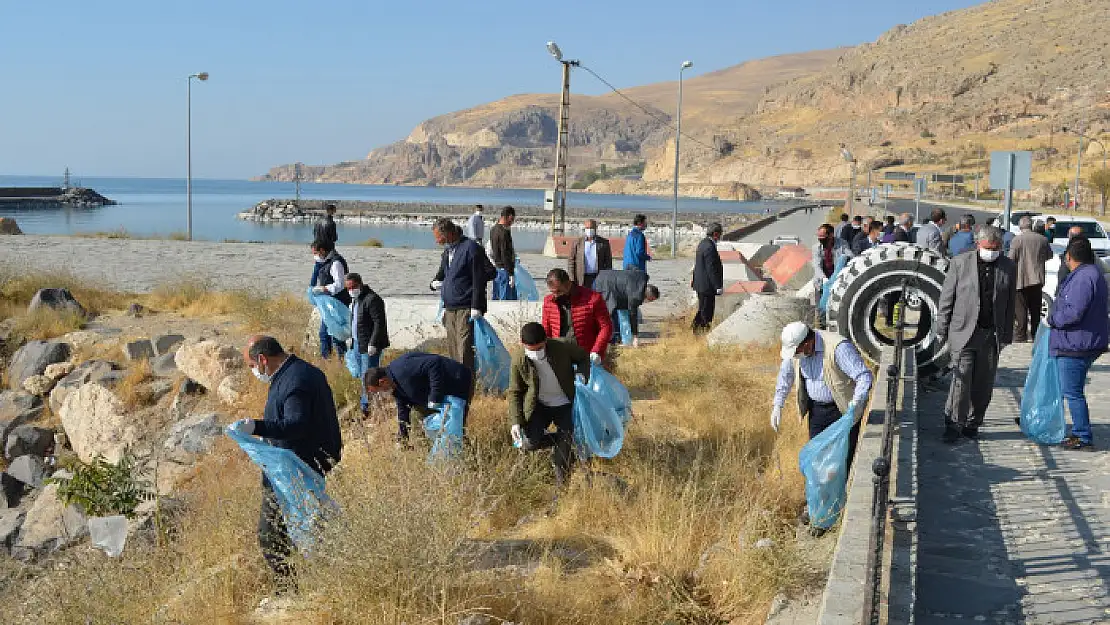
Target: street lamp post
(677, 134)
(201, 76)
(847, 155)
(562, 141)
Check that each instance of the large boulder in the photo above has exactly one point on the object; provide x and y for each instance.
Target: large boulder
(60, 300)
(193, 435)
(208, 362)
(109, 533)
(16, 408)
(10, 520)
(38, 385)
(33, 359)
(231, 388)
(760, 320)
(96, 423)
(101, 372)
(141, 349)
(59, 370)
(28, 439)
(167, 343)
(49, 525)
(164, 366)
(30, 470)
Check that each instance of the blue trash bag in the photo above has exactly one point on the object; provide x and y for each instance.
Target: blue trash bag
(1042, 402)
(445, 428)
(439, 312)
(526, 290)
(598, 429)
(823, 305)
(493, 359)
(824, 463)
(608, 387)
(299, 490)
(336, 315)
(624, 320)
(356, 362)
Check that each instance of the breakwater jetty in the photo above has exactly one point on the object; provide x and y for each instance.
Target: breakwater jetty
(52, 197)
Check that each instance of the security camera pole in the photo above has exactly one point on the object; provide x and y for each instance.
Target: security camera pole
(562, 142)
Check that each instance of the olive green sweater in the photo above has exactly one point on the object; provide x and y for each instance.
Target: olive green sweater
(524, 384)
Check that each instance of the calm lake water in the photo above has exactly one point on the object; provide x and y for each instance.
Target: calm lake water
(156, 206)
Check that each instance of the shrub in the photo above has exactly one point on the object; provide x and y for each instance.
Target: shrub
(372, 242)
(101, 488)
(927, 134)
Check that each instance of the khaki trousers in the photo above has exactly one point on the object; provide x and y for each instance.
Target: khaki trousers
(460, 336)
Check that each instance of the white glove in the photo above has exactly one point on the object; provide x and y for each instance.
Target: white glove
(475, 314)
(776, 417)
(373, 351)
(635, 341)
(319, 290)
(244, 426)
(595, 358)
(433, 406)
(720, 291)
(435, 285)
(512, 281)
(518, 435)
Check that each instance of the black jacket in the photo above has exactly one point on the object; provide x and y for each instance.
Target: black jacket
(300, 415)
(369, 308)
(901, 236)
(623, 290)
(324, 277)
(420, 378)
(501, 247)
(324, 230)
(709, 274)
(464, 279)
(861, 243)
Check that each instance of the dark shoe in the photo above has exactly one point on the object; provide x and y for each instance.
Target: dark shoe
(1074, 443)
(970, 432)
(1017, 420)
(951, 435)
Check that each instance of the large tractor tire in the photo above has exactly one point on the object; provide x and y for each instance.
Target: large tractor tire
(869, 284)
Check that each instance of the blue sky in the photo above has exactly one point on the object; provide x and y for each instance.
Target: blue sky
(100, 86)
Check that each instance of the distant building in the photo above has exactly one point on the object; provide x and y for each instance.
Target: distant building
(790, 192)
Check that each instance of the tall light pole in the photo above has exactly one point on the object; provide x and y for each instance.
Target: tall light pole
(561, 143)
(677, 134)
(201, 76)
(847, 155)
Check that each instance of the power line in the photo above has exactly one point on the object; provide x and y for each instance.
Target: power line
(666, 120)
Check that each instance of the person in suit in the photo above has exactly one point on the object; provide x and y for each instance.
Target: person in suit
(1030, 251)
(976, 319)
(931, 236)
(869, 238)
(588, 256)
(625, 290)
(709, 278)
(299, 416)
(963, 239)
(902, 233)
(419, 382)
(635, 245)
(325, 229)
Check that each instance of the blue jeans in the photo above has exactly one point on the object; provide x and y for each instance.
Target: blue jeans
(326, 342)
(1073, 375)
(366, 362)
(315, 273)
(501, 288)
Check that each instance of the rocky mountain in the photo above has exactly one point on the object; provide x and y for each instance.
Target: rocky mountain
(936, 95)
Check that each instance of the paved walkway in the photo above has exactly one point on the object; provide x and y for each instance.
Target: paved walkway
(1011, 531)
(799, 223)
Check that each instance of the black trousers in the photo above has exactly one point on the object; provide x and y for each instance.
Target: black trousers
(704, 319)
(537, 437)
(588, 280)
(1027, 312)
(821, 416)
(404, 423)
(273, 535)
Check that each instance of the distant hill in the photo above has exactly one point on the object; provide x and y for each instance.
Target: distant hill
(936, 95)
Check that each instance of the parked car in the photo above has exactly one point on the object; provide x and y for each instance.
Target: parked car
(786, 240)
(1092, 228)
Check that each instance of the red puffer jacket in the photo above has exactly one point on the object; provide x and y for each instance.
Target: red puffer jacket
(593, 326)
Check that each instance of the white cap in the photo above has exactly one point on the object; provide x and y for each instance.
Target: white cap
(793, 335)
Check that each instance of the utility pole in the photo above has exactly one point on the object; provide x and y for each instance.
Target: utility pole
(561, 144)
(677, 134)
(852, 191)
(297, 180)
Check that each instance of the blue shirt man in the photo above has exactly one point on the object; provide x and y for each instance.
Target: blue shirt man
(635, 245)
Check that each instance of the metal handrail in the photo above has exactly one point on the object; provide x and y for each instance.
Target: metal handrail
(873, 573)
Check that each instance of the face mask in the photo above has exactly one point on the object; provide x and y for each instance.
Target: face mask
(537, 354)
(353, 294)
(262, 377)
(855, 226)
(318, 258)
(989, 256)
(590, 233)
(823, 240)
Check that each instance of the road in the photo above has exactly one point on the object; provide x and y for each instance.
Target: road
(799, 223)
(953, 213)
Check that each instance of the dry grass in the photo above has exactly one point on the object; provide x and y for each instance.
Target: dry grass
(132, 389)
(45, 323)
(662, 533)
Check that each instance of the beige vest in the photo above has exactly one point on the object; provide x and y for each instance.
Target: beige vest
(839, 383)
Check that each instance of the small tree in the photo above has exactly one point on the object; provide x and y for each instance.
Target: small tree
(1100, 180)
